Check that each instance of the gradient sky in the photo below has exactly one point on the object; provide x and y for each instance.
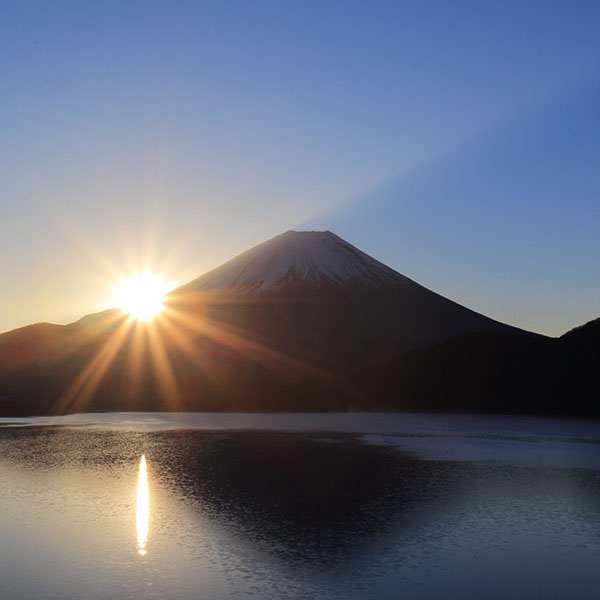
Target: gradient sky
(459, 142)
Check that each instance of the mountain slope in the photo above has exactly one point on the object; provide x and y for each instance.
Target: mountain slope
(493, 373)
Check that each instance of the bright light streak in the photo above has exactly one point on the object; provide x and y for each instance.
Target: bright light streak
(143, 508)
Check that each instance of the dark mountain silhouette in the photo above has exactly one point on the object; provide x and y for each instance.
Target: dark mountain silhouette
(304, 321)
(496, 374)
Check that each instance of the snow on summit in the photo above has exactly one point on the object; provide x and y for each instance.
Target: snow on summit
(297, 259)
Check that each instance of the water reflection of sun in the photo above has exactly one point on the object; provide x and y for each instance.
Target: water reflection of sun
(142, 508)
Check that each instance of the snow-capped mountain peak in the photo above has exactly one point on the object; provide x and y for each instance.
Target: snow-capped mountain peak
(297, 260)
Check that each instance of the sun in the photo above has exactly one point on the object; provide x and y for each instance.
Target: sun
(141, 295)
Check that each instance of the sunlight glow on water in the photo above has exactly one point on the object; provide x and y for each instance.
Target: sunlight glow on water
(143, 508)
(412, 506)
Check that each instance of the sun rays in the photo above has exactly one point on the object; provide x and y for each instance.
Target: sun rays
(161, 350)
(135, 363)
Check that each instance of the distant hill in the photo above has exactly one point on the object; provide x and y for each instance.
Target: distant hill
(304, 321)
(493, 373)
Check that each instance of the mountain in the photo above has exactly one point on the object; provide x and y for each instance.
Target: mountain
(288, 325)
(314, 296)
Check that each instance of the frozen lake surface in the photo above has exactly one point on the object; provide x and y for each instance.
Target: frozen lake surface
(353, 506)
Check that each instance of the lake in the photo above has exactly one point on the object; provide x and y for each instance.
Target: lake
(350, 506)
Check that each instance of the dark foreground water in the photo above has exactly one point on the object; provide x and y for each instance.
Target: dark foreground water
(295, 506)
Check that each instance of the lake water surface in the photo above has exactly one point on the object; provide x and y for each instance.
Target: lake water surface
(352, 506)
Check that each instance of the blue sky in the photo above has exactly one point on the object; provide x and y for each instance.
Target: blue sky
(458, 142)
